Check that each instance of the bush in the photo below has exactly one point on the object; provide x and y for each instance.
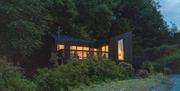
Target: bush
(168, 62)
(143, 73)
(162, 51)
(149, 66)
(172, 62)
(78, 72)
(11, 78)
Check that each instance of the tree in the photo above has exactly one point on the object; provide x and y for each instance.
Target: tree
(146, 22)
(173, 29)
(94, 18)
(23, 22)
(177, 38)
(63, 13)
(107, 18)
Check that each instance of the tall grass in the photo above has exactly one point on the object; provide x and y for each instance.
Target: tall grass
(128, 85)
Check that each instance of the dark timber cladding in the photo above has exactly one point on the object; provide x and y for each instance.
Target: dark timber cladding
(127, 44)
(118, 48)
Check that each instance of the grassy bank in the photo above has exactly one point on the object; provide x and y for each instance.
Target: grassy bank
(128, 85)
(168, 59)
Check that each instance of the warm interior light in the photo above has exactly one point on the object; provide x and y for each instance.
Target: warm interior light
(105, 48)
(105, 55)
(80, 52)
(72, 47)
(79, 48)
(95, 49)
(60, 47)
(120, 50)
(86, 48)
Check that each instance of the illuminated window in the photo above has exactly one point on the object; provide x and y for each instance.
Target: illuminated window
(80, 52)
(95, 49)
(86, 48)
(73, 47)
(79, 48)
(120, 50)
(95, 52)
(104, 51)
(60, 47)
(105, 55)
(105, 48)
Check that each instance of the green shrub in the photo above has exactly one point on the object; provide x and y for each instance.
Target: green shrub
(149, 66)
(143, 73)
(162, 51)
(11, 78)
(78, 72)
(171, 62)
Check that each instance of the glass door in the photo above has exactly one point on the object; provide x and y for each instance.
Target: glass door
(120, 50)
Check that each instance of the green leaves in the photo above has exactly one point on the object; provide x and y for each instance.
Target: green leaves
(78, 72)
(22, 26)
(25, 22)
(11, 78)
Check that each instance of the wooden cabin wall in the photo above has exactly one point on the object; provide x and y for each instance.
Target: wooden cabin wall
(127, 44)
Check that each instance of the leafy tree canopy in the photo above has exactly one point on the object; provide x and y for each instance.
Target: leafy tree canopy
(25, 22)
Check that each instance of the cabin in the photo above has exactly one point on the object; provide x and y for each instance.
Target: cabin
(118, 48)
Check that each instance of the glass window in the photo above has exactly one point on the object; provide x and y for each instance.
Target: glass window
(104, 51)
(72, 53)
(95, 49)
(60, 47)
(105, 55)
(79, 48)
(95, 53)
(105, 48)
(85, 54)
(120, 50)
(86, 48)
(72, 47)
(80, 52)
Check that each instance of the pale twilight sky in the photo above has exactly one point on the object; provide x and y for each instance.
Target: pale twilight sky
(170, 9)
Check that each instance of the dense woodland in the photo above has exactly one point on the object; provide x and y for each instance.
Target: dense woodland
(24, 27)
(24, 24)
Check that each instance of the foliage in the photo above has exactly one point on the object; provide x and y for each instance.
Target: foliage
(54, 59)
(149, 66)
(143, 73)
(177, 37)
(11, 78)
(108, 18)
(170, 61)
(128, 85)
(79, 72)
(23, 22)
(162, 51)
